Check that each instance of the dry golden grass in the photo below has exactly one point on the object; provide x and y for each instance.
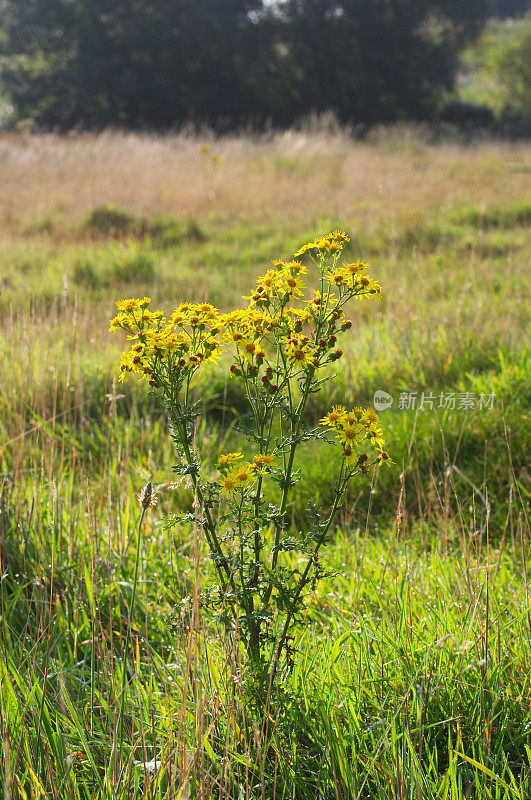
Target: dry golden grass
(299, 176)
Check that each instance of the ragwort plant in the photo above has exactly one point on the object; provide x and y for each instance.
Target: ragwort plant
(280, 344)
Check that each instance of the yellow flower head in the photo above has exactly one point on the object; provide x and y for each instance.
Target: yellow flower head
(289, 267)
(365, 286)
(299, 350)
(226, 459)
(339, 277)
(228, 485)
(152, 317)
(293, 286)
(244, 475)
(251, 350)
(261, 463)
(332, 243)
(121, 320)
(348, 432)
(355, 267)
(334, 417)
(133, 302)
(301, 314)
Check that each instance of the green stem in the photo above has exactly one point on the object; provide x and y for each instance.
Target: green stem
(304, 576)
(295, 431)
(221, 562)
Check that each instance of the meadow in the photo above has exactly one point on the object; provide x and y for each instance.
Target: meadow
(411, 675)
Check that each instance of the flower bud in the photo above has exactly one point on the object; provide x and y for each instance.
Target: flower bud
(346, 325)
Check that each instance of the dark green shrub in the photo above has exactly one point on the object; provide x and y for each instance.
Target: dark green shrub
(84, 274)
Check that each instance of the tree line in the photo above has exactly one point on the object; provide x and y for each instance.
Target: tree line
(161, 63)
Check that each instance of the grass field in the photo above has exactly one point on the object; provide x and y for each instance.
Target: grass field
(412, 673)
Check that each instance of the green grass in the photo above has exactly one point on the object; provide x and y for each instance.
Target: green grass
(411, 676)
(412, 666)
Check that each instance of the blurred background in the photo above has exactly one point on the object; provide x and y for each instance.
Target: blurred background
(158, 64)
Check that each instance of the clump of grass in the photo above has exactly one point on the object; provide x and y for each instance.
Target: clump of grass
(412, 669)
(135, 264)
(508, 217)
(123, 265)
(84, 273)
(110, 221)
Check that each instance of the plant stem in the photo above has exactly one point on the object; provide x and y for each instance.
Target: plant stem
(304, 576)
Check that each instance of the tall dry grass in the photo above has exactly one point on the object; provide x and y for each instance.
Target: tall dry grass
(298, 175)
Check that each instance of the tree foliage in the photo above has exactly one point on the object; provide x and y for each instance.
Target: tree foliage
(512, 68)
(510, 8)
(158, 63)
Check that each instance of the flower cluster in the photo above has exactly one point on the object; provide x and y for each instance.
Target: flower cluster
(236, 476)
(332, 243)
(279, 336)
(268, 335)
(190, 338)
(353, 430)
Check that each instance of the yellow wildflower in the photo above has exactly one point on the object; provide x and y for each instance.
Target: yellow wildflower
(250, 350)
(355, 267)
(348, 433)
(133, 302)
(331, 243)
(299, 314)
(364, 286)
(121, 320)
(293, 286)
(262, 462)
(151, 317)
(299, 351)
(292, 267)
(339, 277)
(333, 417)
(244, 475)
(228, 485)
(226, 459)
